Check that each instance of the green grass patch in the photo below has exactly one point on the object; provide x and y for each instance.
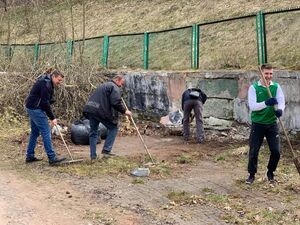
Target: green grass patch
(162, 170)
(138, 181)
(113, 166)
(207, 190)
(179, 196)
(221, 157)
(184, 198)
(184, 159)
(217, 198)
(99, 217)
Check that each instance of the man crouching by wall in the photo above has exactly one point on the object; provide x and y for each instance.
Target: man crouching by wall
(193, 99)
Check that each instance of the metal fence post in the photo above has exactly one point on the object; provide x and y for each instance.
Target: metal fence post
(105, 51)
(265, 38)
(8, 52)
(195, 47)
(146, 50)
(261, 38)
(70, 45)
(36, 54)
(257, 38)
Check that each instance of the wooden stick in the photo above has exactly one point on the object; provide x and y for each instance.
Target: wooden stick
(64, 142)
(280, 121)
(139, 134)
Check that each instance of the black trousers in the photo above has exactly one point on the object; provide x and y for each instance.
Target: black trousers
(258, 132)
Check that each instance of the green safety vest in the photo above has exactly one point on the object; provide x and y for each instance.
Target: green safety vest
(266, 115)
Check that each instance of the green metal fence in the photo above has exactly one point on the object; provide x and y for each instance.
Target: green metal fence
(236, 42)
(126, 51)
(224, 46)
(286, 54)
(20, 56)
(170, 49)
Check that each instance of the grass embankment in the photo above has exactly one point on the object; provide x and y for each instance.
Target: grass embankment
(222, 46)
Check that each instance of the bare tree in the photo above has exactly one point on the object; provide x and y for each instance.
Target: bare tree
(81, 47)
(5, 5)
(39, 19)
(27, 15)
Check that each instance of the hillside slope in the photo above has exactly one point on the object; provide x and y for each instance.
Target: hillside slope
(228, 45)
(52, 22)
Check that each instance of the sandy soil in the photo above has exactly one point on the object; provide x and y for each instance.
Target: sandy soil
(38, 194)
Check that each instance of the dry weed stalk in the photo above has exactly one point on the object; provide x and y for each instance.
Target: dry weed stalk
(70, 97)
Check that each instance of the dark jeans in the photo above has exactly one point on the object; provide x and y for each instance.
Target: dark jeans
(258, 132)
(112, 130)
(197, 106)
(39, 126)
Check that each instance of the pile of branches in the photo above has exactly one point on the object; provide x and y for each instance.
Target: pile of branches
(70, 97)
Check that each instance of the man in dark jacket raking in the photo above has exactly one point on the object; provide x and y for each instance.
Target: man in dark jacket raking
(104, 105)
(38, 106)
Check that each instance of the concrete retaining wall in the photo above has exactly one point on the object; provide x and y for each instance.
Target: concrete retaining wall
(158, 93)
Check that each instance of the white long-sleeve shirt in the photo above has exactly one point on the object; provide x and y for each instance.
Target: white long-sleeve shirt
(256, 106)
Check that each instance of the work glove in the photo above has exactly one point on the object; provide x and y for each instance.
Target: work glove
(278, 113)
(271, 102)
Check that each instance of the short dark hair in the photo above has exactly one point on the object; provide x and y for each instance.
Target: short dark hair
(57, 73)
(266, 66)
(118, 77)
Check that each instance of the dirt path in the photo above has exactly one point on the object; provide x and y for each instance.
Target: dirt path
(38, 202)
(52, 196)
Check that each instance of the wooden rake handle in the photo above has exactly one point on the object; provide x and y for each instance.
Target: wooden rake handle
(280, 121)
(139, 134)
(62, 138)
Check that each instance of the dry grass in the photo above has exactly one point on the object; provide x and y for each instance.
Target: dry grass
(222, 46)
(70, 102)
(114, 17)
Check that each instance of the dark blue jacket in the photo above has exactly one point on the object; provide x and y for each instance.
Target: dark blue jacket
(105, 102)
(41, 95)
(186, 96)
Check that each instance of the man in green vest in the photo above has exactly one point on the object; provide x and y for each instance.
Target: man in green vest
(264, 114)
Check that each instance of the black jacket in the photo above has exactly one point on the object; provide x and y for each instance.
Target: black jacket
(105, 102)
(186, 96)
(41, 95)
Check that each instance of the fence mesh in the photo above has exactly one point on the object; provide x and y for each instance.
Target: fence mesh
(3, 58)
(88, 52)
(222, 45)
(170, 49)
(126, 51)
(22, 57)
(53, 55)
(282, 53)
(225, 45)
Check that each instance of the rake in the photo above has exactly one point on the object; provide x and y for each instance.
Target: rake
(296, 159)
(69, 152)
(139, 134)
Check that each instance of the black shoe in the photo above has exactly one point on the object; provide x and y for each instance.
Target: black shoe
(108, 154)
(30, 160)
(200, 141)
(56, 161)
(270, 177)
(250, 179)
